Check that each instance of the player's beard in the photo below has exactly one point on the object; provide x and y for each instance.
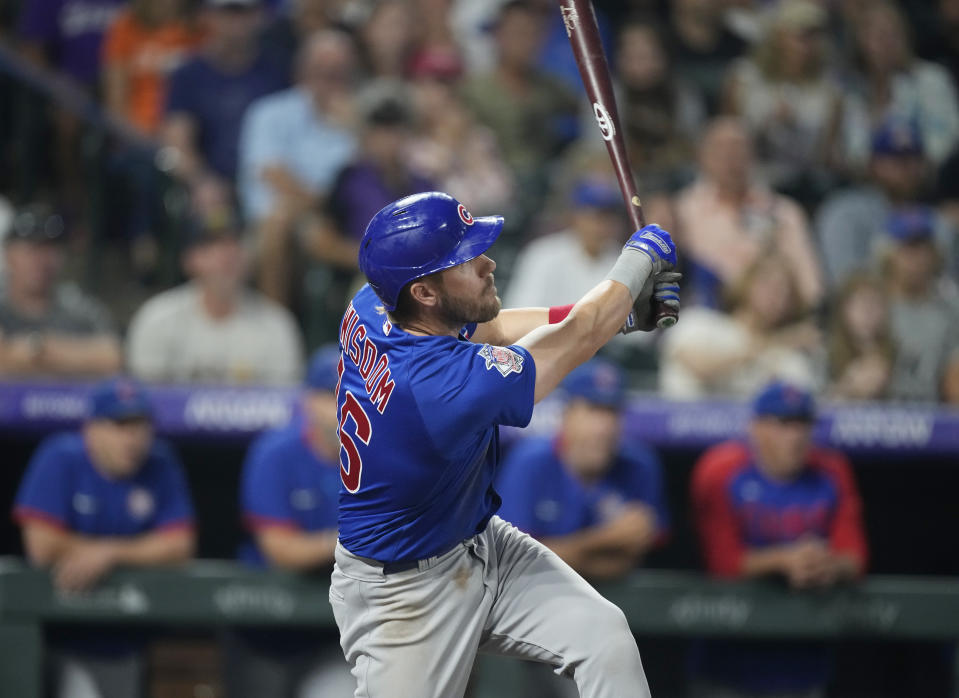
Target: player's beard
(457, 312)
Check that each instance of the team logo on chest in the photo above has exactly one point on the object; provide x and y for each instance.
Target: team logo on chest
(503, 359)
(140, 503)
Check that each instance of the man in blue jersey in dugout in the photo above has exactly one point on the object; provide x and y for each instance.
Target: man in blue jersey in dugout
(426, 574)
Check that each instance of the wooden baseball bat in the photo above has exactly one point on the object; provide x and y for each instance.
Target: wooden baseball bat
(583, 32)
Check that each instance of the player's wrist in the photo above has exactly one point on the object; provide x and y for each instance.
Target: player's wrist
(632, 269)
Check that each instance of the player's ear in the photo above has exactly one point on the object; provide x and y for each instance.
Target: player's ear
(424, 292)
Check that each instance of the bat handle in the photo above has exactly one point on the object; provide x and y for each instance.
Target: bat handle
(663, 314)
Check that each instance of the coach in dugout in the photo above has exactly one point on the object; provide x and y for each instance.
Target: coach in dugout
(775, 506)
(108, 495)
(592, 497)
(289, 491)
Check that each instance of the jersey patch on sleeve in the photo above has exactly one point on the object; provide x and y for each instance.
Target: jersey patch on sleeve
(503, 359)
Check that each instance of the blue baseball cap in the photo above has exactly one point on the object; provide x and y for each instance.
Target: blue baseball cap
(912, 224)
(321, 374)
(897, 137)
(596, 193)
(785, 401)
(119, 398)
(599, 382)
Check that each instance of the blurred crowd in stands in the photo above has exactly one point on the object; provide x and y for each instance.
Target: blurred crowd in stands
(183, 183)
(183, 187)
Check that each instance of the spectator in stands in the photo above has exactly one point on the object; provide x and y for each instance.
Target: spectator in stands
(894, 83)
(109, 495)
(925, 320)
(47, 326)
(209, 95)
(560, 267)
(593, 498)
(289, 497)
(283, 37)
(661, 114)
(764, 336)
(533, 116)
(451, 148)
(66, 37)
(862, 350)
(852, 223)
(788, 101)
(292, 146)
(144, 44)
(727, 220)
(381, 172)
(386, 39)
(213, 329)
(775, 506)
(434, 41)
(702, 46)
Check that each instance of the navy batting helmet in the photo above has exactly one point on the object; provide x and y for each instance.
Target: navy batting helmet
(418, 235)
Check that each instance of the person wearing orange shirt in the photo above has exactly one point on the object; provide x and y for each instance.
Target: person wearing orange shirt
(145, 43)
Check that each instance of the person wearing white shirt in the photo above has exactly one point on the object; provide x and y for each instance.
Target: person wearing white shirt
(213, 329)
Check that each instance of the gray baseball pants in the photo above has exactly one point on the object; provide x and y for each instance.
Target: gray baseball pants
(415, 634)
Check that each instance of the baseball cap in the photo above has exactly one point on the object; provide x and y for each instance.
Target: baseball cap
(384, 103)
(119, 398)
(599, 382)
(911, 224)
(321, 374)
(897, 137)
(596, 193)
(785, 401)
(37, 223)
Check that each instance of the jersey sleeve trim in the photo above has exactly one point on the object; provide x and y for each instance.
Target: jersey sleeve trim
(175, 525)
(256, 522)
(24, 514)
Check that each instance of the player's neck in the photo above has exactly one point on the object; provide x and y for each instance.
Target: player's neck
(426, 325)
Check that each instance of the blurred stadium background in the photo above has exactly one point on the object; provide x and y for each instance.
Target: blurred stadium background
(183, 184)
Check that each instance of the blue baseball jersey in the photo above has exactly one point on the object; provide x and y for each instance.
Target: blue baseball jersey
(62, 487)
(284, 483)
(418, 433)
(739, 508)
(542, 497)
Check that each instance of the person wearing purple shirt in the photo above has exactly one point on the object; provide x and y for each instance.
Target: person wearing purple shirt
(209, 95)
(68, 33)
(380, 174)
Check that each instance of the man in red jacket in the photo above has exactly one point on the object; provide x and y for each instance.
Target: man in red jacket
(775, 506)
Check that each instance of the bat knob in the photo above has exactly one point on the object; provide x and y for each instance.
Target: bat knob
(665, 316)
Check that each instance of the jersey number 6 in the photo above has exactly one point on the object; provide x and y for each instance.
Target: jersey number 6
(351, 472)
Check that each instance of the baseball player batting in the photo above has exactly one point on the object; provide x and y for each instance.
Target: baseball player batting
(426, 574)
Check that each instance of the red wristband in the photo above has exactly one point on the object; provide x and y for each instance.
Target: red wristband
(558, 313)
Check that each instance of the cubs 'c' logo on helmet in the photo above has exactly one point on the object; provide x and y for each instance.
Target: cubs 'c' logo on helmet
(465, 215)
